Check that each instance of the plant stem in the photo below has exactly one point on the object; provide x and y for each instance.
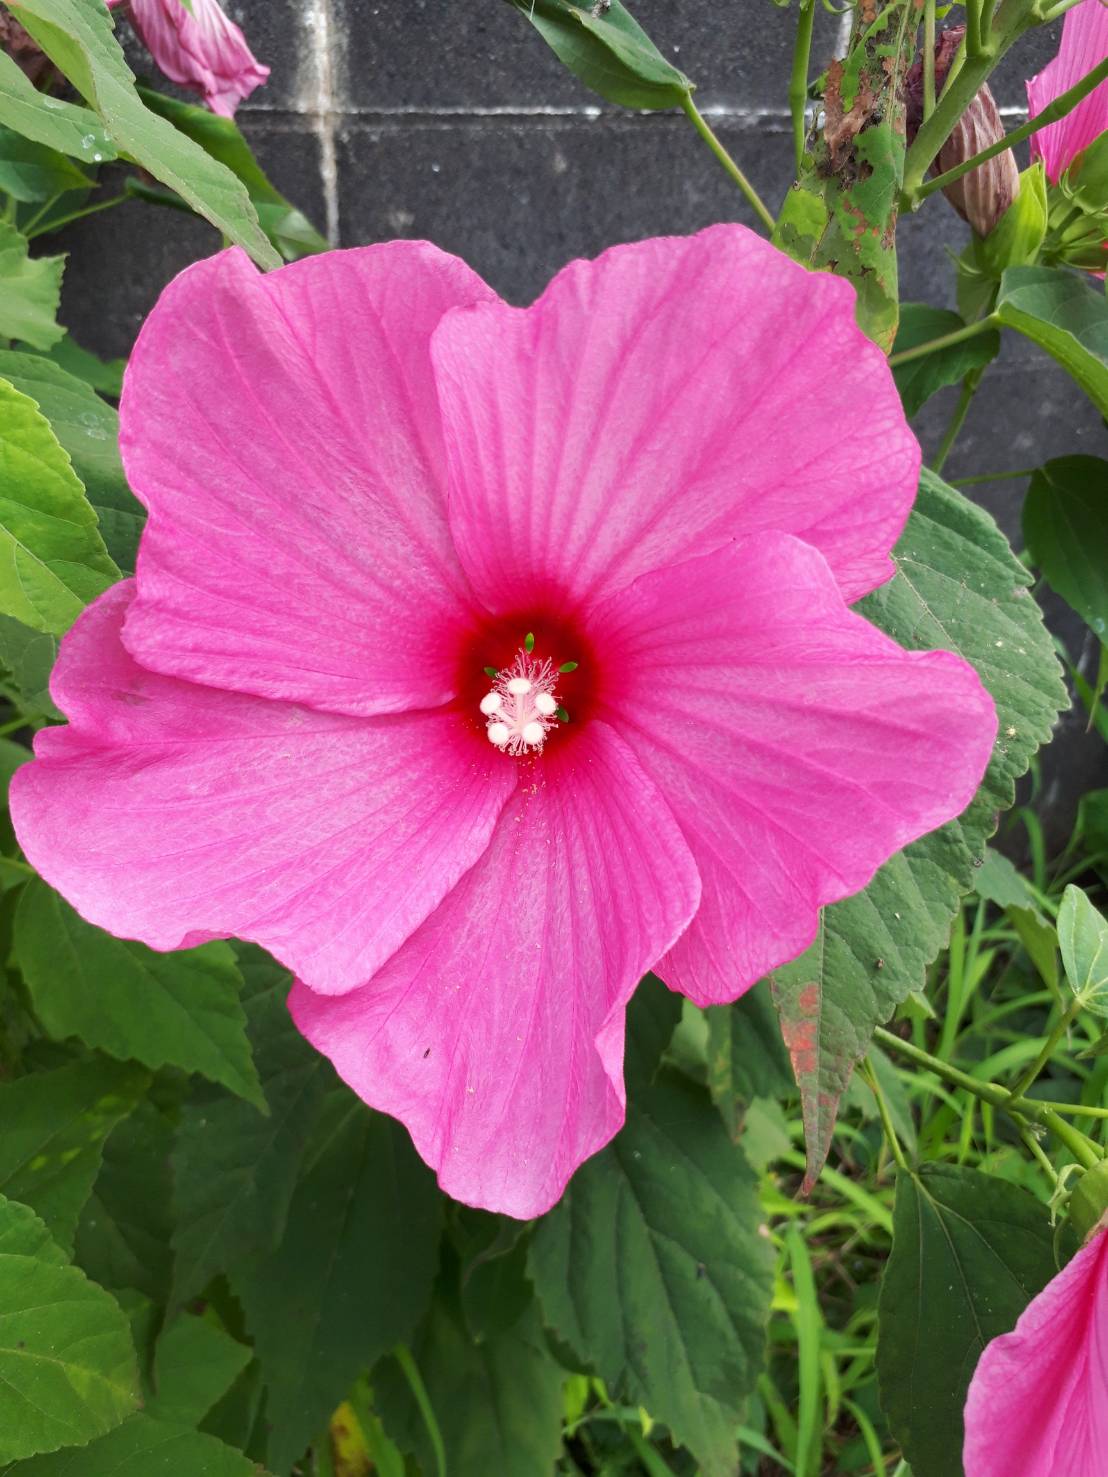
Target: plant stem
(958, 419)
(976, 45)
(886, 1117)
(798, 81)
(75, 215)
(1067, 1020)
(928, 59)
(1063, 104)
(699, 122)
(992, 477)
(945, 341)
(1082, 1148)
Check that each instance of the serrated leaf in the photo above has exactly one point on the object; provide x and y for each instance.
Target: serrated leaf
(142, 1447)
(30, 290)
(122, 1238)
(997, 880)
(179, 1009)
(969, 1252)
(196, 1363)
(352, 1275)
(104, 375)
(1083, 940)
(54, 1127)
(919, 379)
(88, 429)
(958, 586)
(52, 558)
(79, 39)
(1064, 314)
(29, 658)
(652, 1017)
(31, 171)
(1065, 524)
(67, 1365)
(746, 1056)
(653, 1271)
(607, 49)
(498, 1403)
(48, 120)
(234, 1168)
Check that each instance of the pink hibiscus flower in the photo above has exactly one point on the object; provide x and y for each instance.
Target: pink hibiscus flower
(1084, 44)
(371, 483)
(198, 47)
(1038, 1401)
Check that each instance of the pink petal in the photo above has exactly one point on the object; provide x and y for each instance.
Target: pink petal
(798, 747)
(657, 402)
(1084, 44)
(284, 433)
(496, 1033)
(172, 813)
(200, 48)
(1038, 1400)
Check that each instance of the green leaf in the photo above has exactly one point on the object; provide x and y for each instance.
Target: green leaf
(47, 120)
(997, 880)
(67, 1365)
(289, 229)
(969, 1253)
(652, 1018)
(55, 1124)
(1083, 940)
(1017, 238)
(919, 379)
(1065, 523)
(141, 1448)
(87, 427)
(104, 375)
(493, 1284)
(234, 1168)
(31, 171)
(52, 558)
(958, 587)
(1065, 315)
(30, 289)
(498, 1403)
(78, 38)
(352, 1276)
(608, 51)
(29, 657)
(195, 1365)
(653, 1271)
(179, 1009)
(1093, 822)
(123, 1234)
(746, 1056)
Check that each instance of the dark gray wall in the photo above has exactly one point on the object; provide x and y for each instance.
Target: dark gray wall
(449, 119)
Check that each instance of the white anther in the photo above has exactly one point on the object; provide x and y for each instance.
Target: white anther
(546, 704)
(520, 709)
(517, 686)
(533, 733)
(499, 733)
(492, 702)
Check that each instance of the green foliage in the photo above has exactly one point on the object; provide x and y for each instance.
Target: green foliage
(958, 587)
(1063, 315)
(746, 1056)
(919, 379)
(143, 1446)
(969, 1252)
(178, 1009)
(67, 1365)
(1083, 940)
(52, 558)
(78, 38)
(30, 288)
(1067, 533)
(608, 50)
(31, 171)
(49, 121)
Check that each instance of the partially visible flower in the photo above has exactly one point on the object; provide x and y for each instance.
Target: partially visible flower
(197, 46)
(982, 196)
(1038, 1400)
(1084, 44)
(399, 533)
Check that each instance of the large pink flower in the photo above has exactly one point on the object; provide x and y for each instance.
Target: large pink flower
(369, 481)
(1038, 1401)
(1084, 44)
(199, 47)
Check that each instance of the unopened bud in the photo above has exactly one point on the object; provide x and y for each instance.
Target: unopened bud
(984, 194)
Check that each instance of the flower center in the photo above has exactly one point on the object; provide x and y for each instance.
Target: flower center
(522, 706)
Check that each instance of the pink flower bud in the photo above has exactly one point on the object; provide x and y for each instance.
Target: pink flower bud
(198, 47)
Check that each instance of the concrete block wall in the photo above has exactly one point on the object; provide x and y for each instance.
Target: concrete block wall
(451, 120)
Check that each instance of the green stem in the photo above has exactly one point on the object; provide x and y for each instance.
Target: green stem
(992, 477)
(886, 1117)
(1083, 1149)
(1062, 105)
(699, 122)
(798, 82)
(1044, 1056)
(928, 59)
(403, 1356)
(958, 419)
(958, 336)
(74, 215)
(976, 45)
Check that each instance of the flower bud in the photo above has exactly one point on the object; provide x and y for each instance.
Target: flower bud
(984, 195)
